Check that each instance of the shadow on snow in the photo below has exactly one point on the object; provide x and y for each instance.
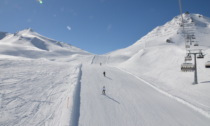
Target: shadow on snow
(112, 99)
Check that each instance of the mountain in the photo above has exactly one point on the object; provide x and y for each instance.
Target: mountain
(29, 44)
(170, 31)
(159, 62)
(46, 82)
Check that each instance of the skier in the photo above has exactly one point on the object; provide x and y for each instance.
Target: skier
(104, 74)
(104, 91)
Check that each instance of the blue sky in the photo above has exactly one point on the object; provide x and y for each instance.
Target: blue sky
(97, 26)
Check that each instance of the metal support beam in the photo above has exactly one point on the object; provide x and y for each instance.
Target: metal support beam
(195, 73)
(195, 63)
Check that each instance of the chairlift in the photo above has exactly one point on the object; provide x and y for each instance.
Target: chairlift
(188, 58)
(200, 56)
(196, 44)
(187, 46)
(207, 65)
(188, 36)
(187, 67)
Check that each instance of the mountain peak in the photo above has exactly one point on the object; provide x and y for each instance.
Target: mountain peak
(28, 31)
(198, 19)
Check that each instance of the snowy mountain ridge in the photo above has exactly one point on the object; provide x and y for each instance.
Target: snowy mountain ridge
(29, 44)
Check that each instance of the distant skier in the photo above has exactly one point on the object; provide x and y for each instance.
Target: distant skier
(104, 74)
(104, 90)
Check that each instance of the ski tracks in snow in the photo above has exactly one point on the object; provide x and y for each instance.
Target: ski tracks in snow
(38, 93)
(195, 108)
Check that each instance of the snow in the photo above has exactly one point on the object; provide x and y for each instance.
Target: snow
(37, 92)
(50, 83)
(160, 65)
(129, 101)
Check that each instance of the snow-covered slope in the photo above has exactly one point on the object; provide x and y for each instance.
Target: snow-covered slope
(159, 62)
(37, 92)
(27, 43)
(130, 101)
(50, 83)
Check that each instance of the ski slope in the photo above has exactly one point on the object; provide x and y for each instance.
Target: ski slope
(129, 102)
(37, 92)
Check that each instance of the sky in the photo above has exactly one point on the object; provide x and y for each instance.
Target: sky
(96, 26)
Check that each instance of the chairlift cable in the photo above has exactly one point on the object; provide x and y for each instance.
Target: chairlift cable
(180, 8)
(182, 21)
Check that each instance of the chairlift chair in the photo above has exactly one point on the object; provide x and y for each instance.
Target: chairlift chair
(207, 65)
(187, 46)
(200, 56)
(187, 67)
(188, 58)
(196, 44)
(188, 36)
